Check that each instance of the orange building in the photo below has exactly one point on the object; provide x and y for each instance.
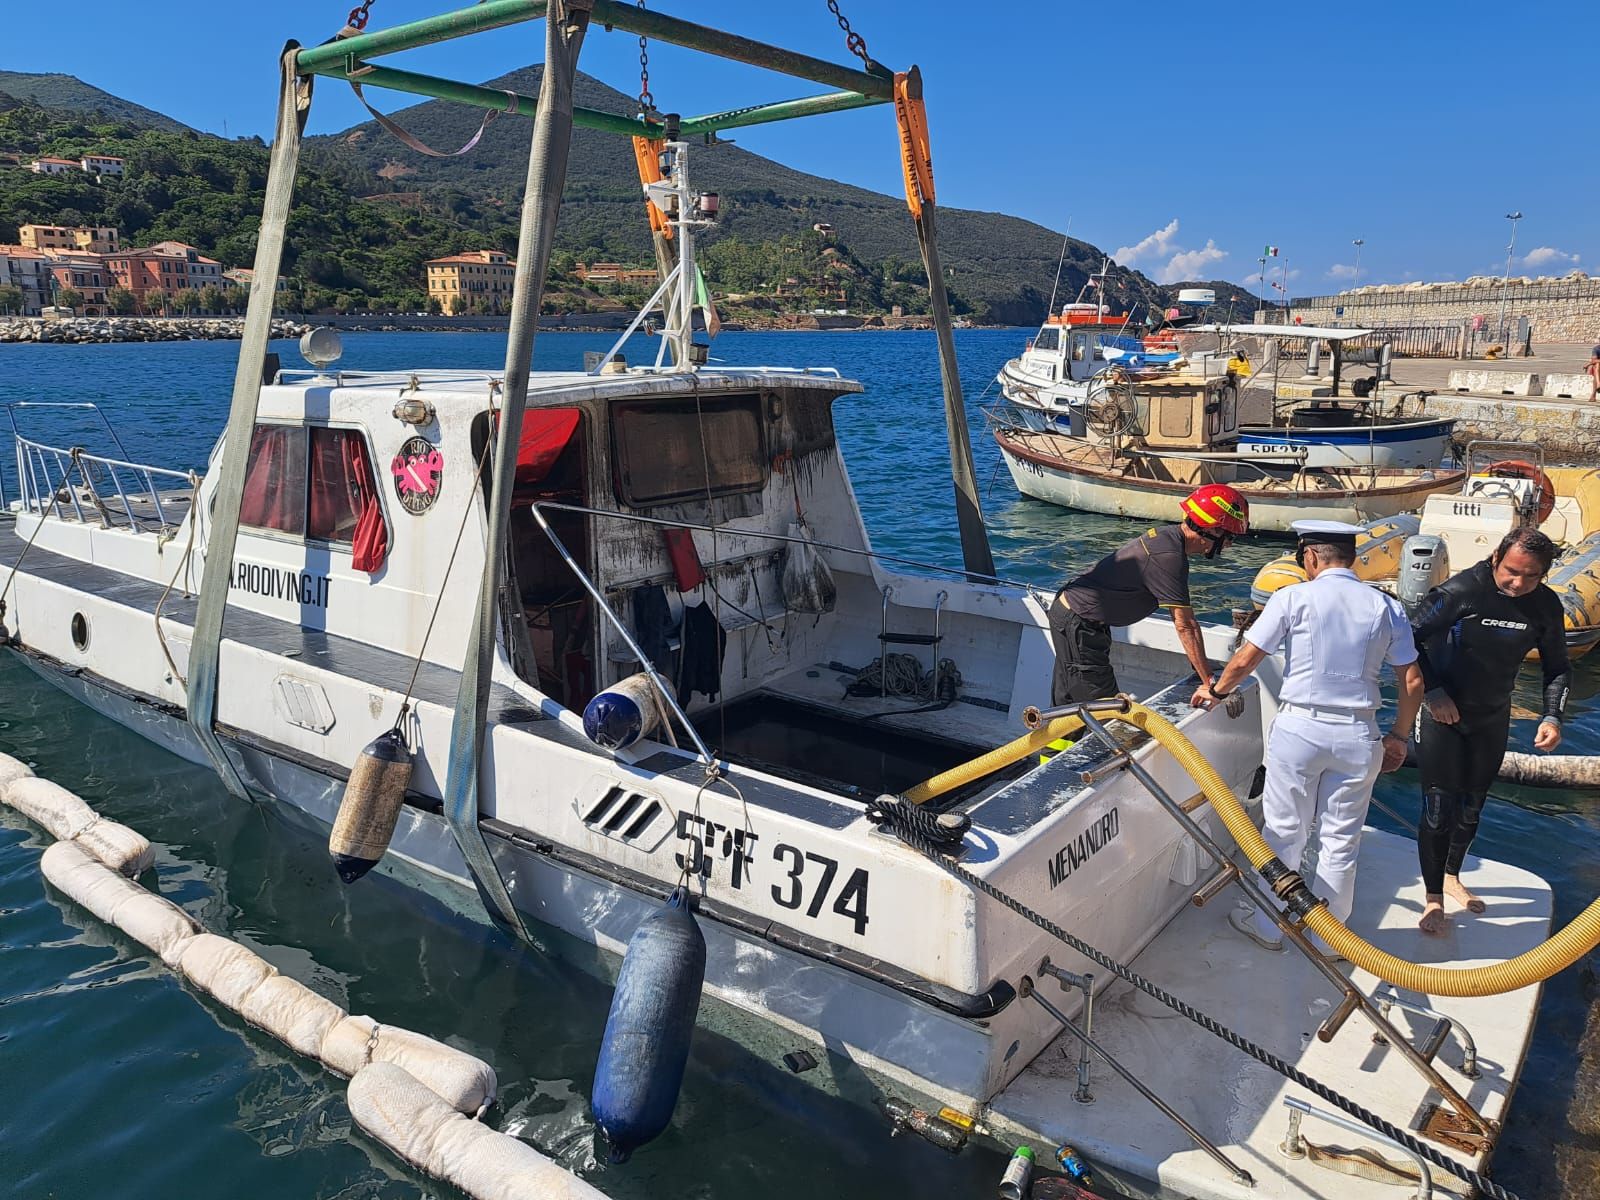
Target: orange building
(96, 239)
(458, 281)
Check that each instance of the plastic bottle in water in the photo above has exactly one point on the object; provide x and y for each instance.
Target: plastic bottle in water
(1014, 1183)
(1074, 1166)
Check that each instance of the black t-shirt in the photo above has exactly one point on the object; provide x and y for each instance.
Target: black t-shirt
(1134, 580)
(1472, 638)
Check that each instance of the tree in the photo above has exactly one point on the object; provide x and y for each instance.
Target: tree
(434, 307)
(10, 299)
(457, 306)
(69, 298)
(287, 301)
(120, 300)
(187, 300)
(210, 299)
(235, 299)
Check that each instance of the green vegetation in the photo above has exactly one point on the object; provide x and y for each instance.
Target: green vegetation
(369, 213)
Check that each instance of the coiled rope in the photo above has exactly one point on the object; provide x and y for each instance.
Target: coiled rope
(914, 827)
(902, 675)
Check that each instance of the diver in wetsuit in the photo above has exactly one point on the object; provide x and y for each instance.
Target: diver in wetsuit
(1472, 633)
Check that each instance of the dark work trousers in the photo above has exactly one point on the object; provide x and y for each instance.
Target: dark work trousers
(1083, 657)
(1459, 762)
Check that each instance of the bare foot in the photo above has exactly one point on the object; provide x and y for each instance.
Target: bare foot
(1457, 891)
(1433, 918)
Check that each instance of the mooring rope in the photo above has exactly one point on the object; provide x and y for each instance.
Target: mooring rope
(912, 826)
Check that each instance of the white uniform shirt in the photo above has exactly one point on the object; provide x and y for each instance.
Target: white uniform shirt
(1336, 633)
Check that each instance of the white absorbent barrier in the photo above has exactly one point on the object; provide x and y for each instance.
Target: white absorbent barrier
(397, 1110)
(67, 818)
(11, 768)
(465, 1083)
(150, 920)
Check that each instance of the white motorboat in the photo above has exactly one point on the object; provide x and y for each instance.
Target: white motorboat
(686, 540)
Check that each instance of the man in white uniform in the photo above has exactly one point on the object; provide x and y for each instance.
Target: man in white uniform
(1324, 752)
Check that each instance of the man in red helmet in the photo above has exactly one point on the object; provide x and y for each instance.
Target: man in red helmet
(1150, 572)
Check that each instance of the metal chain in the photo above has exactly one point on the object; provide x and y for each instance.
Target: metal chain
(909, 824)
(357, 19)
(647, 102)
(853, 40)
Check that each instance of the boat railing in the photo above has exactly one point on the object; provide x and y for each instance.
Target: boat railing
(113, 489)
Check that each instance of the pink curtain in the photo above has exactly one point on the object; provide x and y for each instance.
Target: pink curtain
(275, 480)
(370, 546)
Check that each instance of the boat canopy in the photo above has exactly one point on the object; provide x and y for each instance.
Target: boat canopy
(1326, 333)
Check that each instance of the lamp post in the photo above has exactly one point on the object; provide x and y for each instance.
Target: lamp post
(1357, 243)
(1505, 280)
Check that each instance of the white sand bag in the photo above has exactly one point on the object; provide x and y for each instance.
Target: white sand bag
(12, 769)
(227, 971)
(462, 1081)
(292, 1012)
(68, 818)
(62, 813)
(150, 920)
(407, 1117)
(120, 848)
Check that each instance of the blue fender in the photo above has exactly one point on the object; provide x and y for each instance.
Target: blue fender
(646, 1043)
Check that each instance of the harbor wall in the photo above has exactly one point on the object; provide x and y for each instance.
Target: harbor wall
(1565, 309)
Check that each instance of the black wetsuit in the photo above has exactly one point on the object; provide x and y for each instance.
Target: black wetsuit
(1471, 641)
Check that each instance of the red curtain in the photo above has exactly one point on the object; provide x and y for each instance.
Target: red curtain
(370, 545)
(275, 480)
(545, 434)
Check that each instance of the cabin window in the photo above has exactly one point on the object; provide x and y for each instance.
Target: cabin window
(317, 483)
(687, 449)
(1047, 339)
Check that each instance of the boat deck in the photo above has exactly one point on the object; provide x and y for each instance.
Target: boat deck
(1278, 1001)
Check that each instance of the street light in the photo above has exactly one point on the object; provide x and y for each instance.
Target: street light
(1505, 280)
(1358, 243)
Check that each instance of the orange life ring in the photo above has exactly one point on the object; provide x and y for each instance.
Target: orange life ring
(1516, 468)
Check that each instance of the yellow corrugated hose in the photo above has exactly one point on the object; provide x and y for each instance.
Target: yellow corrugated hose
(1579, 937)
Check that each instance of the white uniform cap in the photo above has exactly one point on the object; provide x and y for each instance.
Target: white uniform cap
(1342, 529)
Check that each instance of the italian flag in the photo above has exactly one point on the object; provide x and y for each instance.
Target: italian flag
(1270, 251)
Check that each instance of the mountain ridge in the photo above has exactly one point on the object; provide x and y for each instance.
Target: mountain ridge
(68, 93)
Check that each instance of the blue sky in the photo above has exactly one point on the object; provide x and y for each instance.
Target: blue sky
(1182, 138)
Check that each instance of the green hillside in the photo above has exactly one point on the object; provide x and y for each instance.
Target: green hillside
(369, 212)
(68, 94)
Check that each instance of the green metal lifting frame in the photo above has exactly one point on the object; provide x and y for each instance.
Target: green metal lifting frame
(349, 58)
(554, 114)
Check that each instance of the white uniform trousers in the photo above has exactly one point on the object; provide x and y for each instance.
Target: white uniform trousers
(1319, 771)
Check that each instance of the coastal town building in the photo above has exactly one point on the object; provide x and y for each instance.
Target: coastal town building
(28, 271)
(87, 275)
(89, 164)
(96, 239)
(460, 281)
(198, 271)
(610, 272)
(245, 277)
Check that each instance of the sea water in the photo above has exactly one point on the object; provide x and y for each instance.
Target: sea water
(119, 1080)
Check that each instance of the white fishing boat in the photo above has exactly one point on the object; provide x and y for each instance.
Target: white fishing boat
(629, 629)
(1143, 446)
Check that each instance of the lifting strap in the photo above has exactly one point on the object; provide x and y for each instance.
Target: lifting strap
(647, 154)
(411, 140)
(566, 23)
(916, 157)
(294, 106)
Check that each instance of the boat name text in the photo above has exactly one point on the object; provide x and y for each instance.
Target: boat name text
(807, 877)
(281, 583)
(1084, 847)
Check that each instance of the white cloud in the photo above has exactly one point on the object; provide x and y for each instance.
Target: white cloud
(1190, 264)
(1155, 245)
(1341, 271)
(1547, 256)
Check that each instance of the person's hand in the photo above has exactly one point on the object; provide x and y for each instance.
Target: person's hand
(1444, 711)
(1548, 737)
(1203, 697)
(1394, 752)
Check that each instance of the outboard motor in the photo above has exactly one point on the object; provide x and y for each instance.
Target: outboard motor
(1424, 565)
(646, 1043)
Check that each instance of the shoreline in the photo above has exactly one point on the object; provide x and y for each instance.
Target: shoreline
(80, 330)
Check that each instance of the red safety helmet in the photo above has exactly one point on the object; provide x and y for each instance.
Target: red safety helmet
(1216, 511)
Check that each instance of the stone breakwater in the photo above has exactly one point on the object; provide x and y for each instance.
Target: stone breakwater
(136, 329)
